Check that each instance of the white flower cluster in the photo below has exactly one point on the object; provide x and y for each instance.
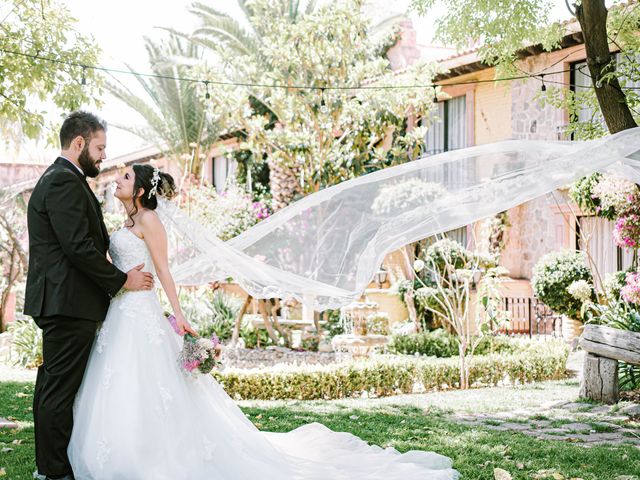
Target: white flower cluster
(580, 290)
(614, 192)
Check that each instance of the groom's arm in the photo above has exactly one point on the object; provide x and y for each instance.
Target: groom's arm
(66, 204)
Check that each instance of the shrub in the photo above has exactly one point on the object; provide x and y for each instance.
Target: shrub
(434, 343)
(552, 276)
(208, 311)
(250, 334)
(26, 343)
(440, 343)
(334, 325)
(389, 376)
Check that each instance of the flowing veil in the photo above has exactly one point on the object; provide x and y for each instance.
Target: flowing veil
(324, 249)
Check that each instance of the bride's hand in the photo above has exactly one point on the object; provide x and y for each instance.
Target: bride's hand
(184, 327)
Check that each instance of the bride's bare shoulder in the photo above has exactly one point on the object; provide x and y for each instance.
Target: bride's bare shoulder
(150, 219)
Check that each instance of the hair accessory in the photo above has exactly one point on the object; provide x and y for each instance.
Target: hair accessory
(154, 182)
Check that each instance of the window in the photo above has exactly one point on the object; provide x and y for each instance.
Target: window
(223, 169)
(595, 236)
(581, 80)
(449, 132)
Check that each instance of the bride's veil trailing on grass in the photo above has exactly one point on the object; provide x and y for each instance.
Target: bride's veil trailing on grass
(325, 248)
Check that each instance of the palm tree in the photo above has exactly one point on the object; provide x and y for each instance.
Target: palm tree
(175, 114)
(219, 29)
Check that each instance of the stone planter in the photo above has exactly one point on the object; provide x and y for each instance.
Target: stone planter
(571, 328)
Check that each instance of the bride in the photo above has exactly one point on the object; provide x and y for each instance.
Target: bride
(137, 416)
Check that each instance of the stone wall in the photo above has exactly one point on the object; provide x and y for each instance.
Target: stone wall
(529, 236)
(537, 227)
(529, 119)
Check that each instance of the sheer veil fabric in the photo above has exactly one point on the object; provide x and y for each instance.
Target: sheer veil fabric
(324, 249)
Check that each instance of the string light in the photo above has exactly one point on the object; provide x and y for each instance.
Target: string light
(300, 87)
(84, 76)
(543, 87)
(435, 94)
(207, 95)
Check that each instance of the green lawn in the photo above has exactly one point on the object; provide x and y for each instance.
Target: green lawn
(475, 451)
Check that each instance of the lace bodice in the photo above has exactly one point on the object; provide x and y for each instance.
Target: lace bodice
(128, 250)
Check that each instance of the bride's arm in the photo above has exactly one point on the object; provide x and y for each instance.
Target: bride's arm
(155, 237)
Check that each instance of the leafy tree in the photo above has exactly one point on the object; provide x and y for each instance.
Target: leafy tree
(41, 29)
(504, 27)
(315, 137)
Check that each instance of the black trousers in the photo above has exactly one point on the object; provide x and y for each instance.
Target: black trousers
(67, 343)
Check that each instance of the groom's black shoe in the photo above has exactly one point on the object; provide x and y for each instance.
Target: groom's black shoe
(66, 477)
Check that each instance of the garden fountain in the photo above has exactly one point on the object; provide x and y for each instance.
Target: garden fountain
(357, 340)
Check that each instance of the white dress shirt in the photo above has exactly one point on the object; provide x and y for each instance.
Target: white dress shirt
(75, 166)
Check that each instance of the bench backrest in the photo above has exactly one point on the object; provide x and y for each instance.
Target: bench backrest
(612, 343)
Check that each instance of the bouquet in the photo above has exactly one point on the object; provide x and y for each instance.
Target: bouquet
(198, 353)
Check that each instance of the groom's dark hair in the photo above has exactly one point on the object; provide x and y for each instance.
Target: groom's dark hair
(80, 123)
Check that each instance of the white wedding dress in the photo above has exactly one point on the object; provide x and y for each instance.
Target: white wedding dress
(137, 416)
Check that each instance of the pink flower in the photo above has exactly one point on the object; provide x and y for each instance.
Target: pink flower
(626, 232)
(631, 291)
(191, 366)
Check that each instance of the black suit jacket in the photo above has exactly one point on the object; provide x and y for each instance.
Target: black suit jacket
(69, 273)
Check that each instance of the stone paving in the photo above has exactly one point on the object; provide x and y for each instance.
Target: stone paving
(581, 423)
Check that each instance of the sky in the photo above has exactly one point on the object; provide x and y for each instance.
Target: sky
(119, 27)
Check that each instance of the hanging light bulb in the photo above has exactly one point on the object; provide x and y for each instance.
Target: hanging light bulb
(84, 76)
(435, 94)
(207, 95)
(543, 87)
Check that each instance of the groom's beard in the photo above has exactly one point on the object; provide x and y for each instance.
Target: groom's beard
(88, 164)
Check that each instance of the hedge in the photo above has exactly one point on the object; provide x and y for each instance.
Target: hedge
(394, 374)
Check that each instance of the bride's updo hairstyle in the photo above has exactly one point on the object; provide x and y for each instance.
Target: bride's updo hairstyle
(153, 184)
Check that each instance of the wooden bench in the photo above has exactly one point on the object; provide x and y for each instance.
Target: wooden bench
(605, 346)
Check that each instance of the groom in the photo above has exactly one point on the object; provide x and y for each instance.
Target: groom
(69, 282)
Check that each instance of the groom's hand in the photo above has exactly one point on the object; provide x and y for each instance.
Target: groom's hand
(138, 280)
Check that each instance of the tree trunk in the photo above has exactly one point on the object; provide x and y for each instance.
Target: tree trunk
(407, 255)
(285, 184)
(464, 373)
(592, 15)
